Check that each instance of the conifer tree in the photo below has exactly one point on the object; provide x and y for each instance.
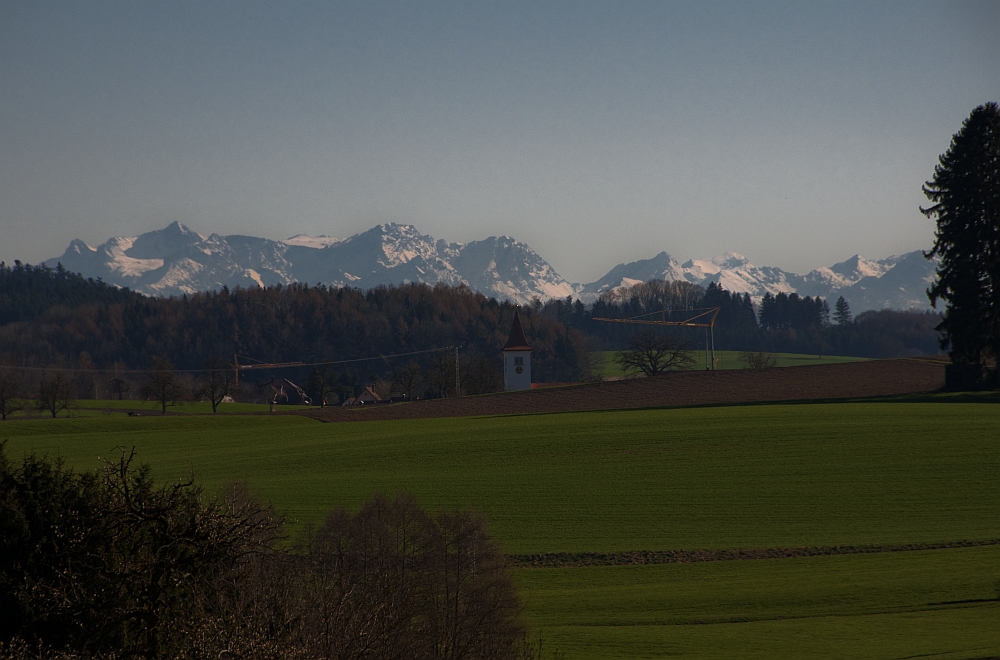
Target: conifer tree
(841, 312)
(965, 192)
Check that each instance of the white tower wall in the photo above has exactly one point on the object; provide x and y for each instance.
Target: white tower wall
(513, 361)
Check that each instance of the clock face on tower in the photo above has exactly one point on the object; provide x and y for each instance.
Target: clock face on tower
(519, 370)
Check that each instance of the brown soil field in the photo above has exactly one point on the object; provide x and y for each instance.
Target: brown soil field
(851, 380)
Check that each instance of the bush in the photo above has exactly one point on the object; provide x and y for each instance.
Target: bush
(106, 564)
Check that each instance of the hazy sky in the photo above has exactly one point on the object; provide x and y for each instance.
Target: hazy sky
(797, 133)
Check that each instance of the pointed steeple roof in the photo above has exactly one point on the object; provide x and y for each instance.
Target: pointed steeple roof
(516, 341)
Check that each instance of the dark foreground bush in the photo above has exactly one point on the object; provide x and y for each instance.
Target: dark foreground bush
(108, 565)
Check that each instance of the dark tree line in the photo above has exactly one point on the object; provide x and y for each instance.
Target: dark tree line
(28, 291)
(293, 323)
(109, 564)
(96, 334)
(786, 323)
(784, 311)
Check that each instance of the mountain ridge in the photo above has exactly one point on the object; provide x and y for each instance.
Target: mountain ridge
(176, 260)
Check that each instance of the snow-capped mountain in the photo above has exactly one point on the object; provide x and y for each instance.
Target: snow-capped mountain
(176, 260)
(898, 282)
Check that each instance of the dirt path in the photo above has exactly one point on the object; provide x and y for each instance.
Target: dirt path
(569, 560)
(829, 381)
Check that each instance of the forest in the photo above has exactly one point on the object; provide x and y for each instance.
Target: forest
(400, 339)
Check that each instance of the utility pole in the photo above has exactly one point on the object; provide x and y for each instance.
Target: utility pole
(457, 380)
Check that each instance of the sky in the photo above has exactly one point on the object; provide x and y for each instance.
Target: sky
(795, 133)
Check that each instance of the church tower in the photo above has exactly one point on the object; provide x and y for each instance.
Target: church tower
(516, 359)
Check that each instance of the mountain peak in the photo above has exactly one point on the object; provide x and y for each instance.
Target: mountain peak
(176, 260)
(178, 229)
(77, 246)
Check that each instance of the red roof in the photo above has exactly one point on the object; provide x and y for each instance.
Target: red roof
(516, 341)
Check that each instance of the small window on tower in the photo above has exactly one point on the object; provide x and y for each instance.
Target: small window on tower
(518, 361)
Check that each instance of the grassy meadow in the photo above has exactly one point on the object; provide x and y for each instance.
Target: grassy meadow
(714, 477)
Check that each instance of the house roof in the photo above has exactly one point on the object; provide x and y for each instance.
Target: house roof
(516, 341)
(371, 393)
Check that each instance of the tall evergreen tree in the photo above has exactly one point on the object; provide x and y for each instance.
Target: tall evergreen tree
(965, 192)
(841, 312)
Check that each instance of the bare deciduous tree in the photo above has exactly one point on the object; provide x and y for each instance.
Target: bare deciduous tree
(480, 375)
(439, 375)
(321, 384)
(653, 353)
(162, 385)
(119, 384)
(216, 382)
(110, 565)
(54, 393)
(406, 379)
(393, 581)
(11, 389)
(757, 360)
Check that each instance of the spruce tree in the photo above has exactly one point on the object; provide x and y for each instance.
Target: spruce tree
(965, 192)
(841, 312)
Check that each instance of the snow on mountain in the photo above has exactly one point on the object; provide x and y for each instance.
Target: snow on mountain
(660, 267)
(507, 268)
(843, 274)
(898, 282)
(305, 240)
(903, 285)
(176, 260)
(734, 272)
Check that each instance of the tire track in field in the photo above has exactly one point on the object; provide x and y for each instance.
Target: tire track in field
(644, 557)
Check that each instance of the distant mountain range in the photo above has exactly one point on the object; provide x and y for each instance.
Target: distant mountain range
(176, 260)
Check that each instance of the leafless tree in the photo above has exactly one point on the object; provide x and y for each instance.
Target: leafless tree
(54, 393)
(119, 383)
(216, 382)
(321, 385)
(162, 385)
(480, 375)
(439, 375)
(122, 567)
(652, 353)
(757, 360)
(655, 295)
(83, 377)
(393, 581)
(406, 379)
(11, 389)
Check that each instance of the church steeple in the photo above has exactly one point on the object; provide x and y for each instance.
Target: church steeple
(516, 341)
(516, 358)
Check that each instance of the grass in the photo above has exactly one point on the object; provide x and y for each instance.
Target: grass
(940, 603)
(725, 477)
(603, 362)
(912, 470)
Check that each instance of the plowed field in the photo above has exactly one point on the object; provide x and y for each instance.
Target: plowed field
(687, 388)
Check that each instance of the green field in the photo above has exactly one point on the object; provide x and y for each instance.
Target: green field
(603, 362)
(720, 477)
(932, 604)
